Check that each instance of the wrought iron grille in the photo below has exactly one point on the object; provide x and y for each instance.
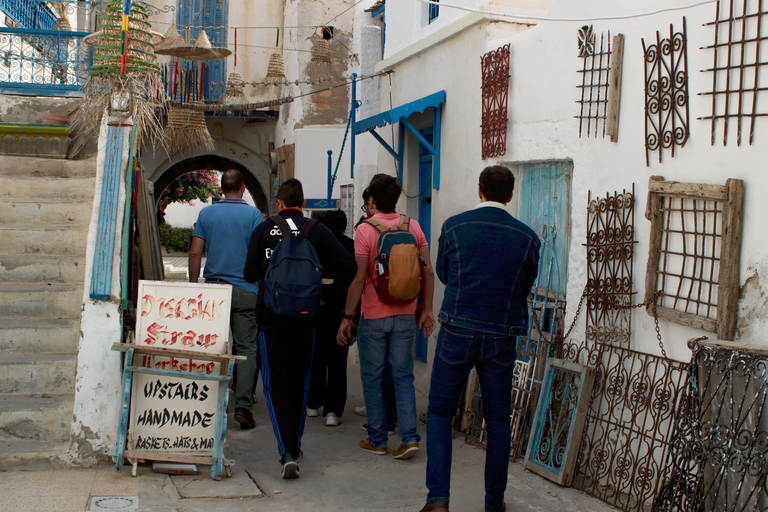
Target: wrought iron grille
(666, 93)
(495, 68)
(610, 251)
(694, 253)
(44, 62)
(719, 459)
(595, 72)
(629, 424)
(738, 56)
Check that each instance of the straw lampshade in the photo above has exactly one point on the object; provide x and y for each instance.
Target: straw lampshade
(275, 70)
(187, 131)
(320, 65)
(233, 93)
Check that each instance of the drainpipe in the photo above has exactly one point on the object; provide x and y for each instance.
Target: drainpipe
(330, 177)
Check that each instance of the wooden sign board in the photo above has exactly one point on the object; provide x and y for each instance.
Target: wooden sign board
(177, 415)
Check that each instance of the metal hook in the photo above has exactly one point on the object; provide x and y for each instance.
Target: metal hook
(554, 232)
(544, 232)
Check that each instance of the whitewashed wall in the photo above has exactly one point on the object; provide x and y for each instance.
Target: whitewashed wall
(543, 91)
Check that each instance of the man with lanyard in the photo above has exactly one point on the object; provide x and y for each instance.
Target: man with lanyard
(287, 343)
(225, 228)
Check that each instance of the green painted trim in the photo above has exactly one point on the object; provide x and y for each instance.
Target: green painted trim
(35, 129)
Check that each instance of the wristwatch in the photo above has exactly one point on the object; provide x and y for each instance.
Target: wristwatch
(346, 316)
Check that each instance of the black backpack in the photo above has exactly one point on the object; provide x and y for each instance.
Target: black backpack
(293, 282)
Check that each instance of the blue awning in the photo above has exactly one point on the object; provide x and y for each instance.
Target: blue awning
(396, 114)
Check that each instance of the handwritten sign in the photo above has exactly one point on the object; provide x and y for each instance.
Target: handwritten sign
(175, 414)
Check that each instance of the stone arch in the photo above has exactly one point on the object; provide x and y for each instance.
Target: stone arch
(227, 154)
(212, 162)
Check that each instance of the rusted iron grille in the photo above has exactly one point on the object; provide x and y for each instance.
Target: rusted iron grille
(495, 67)
(739, 54)
(719, 459)
(689, 261)
(666, 93)
(629, 424)
(594, 86)
(610, 251)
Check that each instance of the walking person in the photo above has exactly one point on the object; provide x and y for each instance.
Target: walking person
(225, 228)
(488, 261)
(328, 385)
(388, 324)
(288, 302)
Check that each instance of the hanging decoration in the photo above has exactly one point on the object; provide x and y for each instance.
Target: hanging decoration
(186, 129)
(276, 66)
(125, 78)
(233, 93)
(595, 70)
(173, 42)
(185, 81)
(320, 65)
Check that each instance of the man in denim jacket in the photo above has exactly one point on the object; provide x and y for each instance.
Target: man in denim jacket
(488, 261)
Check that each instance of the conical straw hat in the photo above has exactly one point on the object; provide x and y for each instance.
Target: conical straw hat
(173, 41)
(204, 50)
(275, 69)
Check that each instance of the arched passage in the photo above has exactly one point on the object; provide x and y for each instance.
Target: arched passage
(212, 163)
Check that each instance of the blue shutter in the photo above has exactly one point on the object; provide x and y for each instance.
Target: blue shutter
(214, 19)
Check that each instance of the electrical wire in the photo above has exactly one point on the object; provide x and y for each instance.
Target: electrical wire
(342, 12)
(580, 20)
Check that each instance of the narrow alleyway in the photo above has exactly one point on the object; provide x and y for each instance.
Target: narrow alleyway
(335, 475)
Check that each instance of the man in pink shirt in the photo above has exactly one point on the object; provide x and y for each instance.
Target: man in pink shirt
(386, 331)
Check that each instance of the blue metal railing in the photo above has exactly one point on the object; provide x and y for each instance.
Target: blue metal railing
(43, 62)
(29, 14)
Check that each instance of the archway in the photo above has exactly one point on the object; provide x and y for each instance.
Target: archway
(212, 163)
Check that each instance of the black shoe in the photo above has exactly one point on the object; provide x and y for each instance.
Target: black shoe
(435, 506)
(299, 456)
(502, 509)
(290, 466)
(245, 418)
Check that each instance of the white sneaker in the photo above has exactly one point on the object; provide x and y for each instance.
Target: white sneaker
(331, 420)
(360, 411)
(313, 413)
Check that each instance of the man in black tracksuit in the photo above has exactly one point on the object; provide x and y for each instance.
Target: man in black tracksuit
(287, 343)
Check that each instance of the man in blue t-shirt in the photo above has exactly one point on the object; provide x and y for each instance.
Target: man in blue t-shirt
(225, 228)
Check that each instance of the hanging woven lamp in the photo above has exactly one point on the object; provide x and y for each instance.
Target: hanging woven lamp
(186, 129)
(320, 65)
(275, 69)
(131, 97)
(233, 92)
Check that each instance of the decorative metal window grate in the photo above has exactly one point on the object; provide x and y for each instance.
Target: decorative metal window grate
(629, 424)
(559, 421)
(719, 459)
(610, 251)
(595, 73)
(495, 68)
(29, 14)
(693, 261)
(739, 54)
(666, 93)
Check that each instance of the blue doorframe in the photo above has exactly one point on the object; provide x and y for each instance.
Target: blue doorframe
(426, 161)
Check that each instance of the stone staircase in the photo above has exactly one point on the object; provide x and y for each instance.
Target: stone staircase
(45, 210)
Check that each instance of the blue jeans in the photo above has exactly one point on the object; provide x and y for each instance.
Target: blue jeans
(457, 351)
(389, 338)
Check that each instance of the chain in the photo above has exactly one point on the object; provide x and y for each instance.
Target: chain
(650, 302)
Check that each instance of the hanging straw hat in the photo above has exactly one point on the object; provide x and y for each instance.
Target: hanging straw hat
(187, 131)
(275, 70)
(203, 50)
(173, 42)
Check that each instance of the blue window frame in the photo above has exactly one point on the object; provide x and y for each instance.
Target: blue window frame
(211, 15)
(434, 11)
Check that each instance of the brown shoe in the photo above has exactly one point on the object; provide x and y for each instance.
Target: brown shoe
(376, 450)
(435, 506)
(502, 509)
(245, 418)
(405, 451)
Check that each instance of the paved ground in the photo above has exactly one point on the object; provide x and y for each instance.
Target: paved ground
(335, 476)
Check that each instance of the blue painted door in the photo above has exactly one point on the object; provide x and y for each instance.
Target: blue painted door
(425, 216)
(545, 205)
(210, 15)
